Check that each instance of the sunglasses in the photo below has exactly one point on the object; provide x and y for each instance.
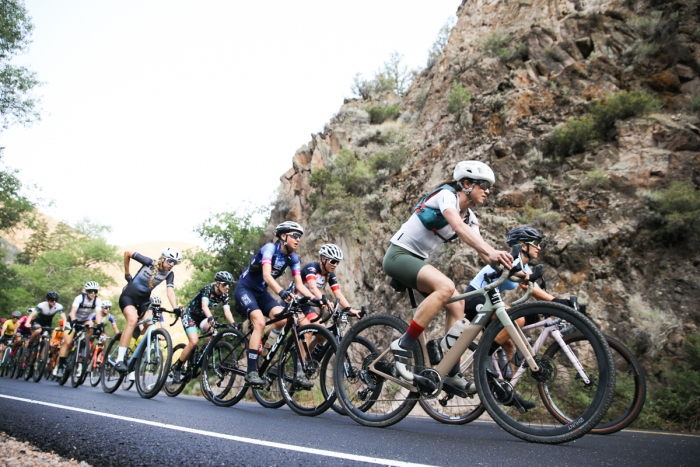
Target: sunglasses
(224, 284)
(294, 235)
(334, 262)
(106, 307)
(91, 291)
(171, 261)
(484, 184)
(535, 243)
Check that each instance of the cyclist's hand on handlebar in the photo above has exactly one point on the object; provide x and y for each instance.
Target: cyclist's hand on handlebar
(285, 296)
(355, 313)
(128, 278)
(564, 301)
(500, 258)
(177, 310)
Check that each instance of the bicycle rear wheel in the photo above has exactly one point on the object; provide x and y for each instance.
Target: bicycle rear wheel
(41, 360)
(371, 399)
(70, 361)
(452, 409)
(224, 367)
(153, 365)
(171, 388)
(630, 387)
(585, 403)
(19, 360)
(111, 378)
(31, 354)
(308, 402)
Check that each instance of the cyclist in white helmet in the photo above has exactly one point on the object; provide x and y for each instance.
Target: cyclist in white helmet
(83, 306)
(320, 273)
(136, 296)
(443, 215)
(104, 314)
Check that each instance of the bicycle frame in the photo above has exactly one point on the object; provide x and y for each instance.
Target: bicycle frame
(145, 343)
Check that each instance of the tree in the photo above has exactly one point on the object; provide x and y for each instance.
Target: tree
(441, 41)
(232, 239)
(17, 104)
(392, 76)
(14, 207)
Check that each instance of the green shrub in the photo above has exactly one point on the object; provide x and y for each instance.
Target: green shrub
(497, 41)
(595, 179)
(538, 217)
(674, 213)
(694, 103)
(458, 99)
(381, 113)
(623, 105)
(571, 138)
(654, 26)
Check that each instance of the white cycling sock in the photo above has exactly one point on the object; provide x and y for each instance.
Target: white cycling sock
(120, 353)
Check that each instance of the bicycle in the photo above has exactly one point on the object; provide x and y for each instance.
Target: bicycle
(18, 358)
(193, 366)
(54, 349)
(97, 353)
(150, 360)
(37, 356)
(6, 363)
(580, 381)
(75, 361)
(224, 380)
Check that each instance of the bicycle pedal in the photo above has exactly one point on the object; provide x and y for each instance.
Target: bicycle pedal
(454, 391)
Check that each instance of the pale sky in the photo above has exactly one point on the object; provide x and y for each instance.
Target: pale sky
(156, 114)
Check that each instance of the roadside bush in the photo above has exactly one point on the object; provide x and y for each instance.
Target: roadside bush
(458, 99)
(595, 179)
(381, 113)
(538, 217)
(495, 43)
(571, 138)
(673, 214)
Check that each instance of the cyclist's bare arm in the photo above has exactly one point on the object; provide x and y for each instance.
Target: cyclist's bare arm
(301, 288)
(228, 315)
(472, 238)
(313, 287)
(31, 318)
(171, 297)
(127, 258)
(269, 280)
(344, 302)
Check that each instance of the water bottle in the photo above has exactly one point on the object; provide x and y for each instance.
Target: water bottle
(453, 334)
(271, 338)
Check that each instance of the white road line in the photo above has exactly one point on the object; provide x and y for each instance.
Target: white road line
(270, 444)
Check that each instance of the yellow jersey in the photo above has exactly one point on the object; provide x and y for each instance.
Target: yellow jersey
(10, 327)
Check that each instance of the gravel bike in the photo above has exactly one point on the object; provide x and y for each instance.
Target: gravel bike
(76, 361)
(580, 381)
(18, 358)
(7, 362)
(150, 360)
(97, 354)
(288, 356)
(192, 368)
(37, 356)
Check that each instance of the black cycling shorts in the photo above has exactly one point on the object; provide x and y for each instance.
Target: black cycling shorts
(140, 303)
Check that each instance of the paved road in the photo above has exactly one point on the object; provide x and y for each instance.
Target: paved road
(189, 430)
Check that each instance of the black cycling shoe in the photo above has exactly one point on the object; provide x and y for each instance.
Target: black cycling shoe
(121, 367)
(302, 381)
(178, 376)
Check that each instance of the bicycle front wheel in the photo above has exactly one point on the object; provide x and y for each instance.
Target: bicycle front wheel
(450, 408)
(224, 367)
(79, 373)
(29, 362)
(328, 369)
(40, 362)
(171, 388)
(580, 383)
(306, 401)
(111, 378)
(96, 366)
(630, 387)
(368, 397)
(153, 364)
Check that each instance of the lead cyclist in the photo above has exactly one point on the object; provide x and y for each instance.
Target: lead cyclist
(441, 216)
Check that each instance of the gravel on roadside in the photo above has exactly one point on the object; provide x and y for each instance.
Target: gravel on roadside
(15, 453)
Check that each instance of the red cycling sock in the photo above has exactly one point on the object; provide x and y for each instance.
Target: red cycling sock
(415, 330)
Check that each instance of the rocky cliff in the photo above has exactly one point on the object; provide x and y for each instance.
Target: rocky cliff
(529, 66)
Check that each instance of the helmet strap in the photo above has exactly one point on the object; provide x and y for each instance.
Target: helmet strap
(526, 251)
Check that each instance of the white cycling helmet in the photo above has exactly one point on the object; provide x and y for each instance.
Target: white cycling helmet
(331, 251)
(106, 304)
(474, 170)
(172, 254)
(288, 226)
(92, 285)
(156, 301)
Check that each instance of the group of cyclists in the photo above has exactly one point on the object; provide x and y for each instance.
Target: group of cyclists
(443, 215)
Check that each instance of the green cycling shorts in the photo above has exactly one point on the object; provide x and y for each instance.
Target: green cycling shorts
(402, 265)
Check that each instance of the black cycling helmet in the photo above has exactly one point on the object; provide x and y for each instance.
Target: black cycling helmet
(223, 276)
(524, 234)
(52, 296)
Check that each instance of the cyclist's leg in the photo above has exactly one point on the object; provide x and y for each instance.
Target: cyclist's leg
(35, 335)
(88, 334)
(130, 311)
(16, 343)
(190, 326)
(65, 348)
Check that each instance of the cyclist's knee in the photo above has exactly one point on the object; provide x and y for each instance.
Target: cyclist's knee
(444, 289)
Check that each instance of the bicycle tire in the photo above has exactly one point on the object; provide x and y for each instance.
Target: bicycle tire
(630, 383)
(29, 363)
(171, 388)
(270, 396)
(313, 401)
(79, 372)
(349, 369)
(537, 425)
(70, 360)
(153, 365)
(96, 366)
(225, 359)
(111, 378)
(40, 363)
(389, 403)
(452, 409)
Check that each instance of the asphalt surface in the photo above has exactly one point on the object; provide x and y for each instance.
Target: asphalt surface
(104, 441)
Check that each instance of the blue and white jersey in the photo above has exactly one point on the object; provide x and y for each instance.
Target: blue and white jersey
(110, 317)
(271, 254)
(139, 286)
(478, 282)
